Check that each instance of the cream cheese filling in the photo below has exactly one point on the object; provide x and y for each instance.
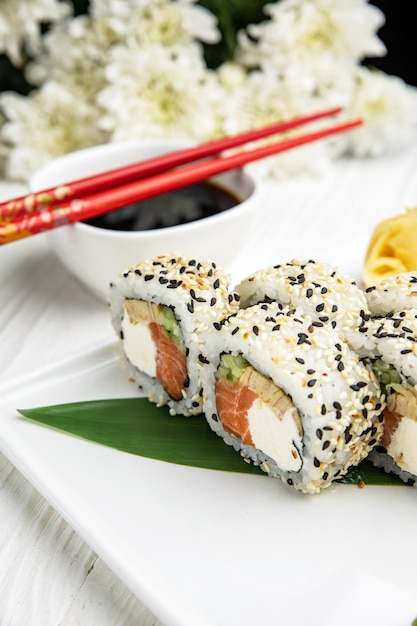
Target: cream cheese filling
(278, 436)
(402, 446)
(138, 345)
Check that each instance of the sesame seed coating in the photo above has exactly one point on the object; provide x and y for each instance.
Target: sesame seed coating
(394, 293)
(301, 360)
(199, 295)
(319, 289)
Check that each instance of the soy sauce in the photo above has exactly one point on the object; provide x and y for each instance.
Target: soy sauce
(170, 209)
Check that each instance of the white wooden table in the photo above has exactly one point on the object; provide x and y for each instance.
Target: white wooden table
(48, 575)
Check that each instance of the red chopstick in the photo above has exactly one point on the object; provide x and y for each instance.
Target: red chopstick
(17, 207)
(75, 210)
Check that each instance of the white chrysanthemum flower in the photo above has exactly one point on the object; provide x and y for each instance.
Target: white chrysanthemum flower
(169, 24)
(20, 22)
(46, 124)
(315, 37)
(74, 54)
(150, 93)
(231, 75)
(388, 108)
(262, 100)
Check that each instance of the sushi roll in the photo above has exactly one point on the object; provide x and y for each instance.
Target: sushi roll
(161, 310)
(394, 360)
(290, 396)
(394, 293)
(318, 290)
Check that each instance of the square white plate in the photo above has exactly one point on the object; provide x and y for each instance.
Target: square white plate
(205, 548)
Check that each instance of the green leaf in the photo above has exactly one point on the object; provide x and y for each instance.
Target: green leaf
(136, 426)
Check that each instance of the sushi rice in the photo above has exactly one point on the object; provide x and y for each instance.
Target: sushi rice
(331, 416)
(318, 289)
(394, 293)
(162, 309)
(394, 359)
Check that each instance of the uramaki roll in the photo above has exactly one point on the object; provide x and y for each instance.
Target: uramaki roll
(161, 310)
(290, 396)
(317, 289)
(394, 360)
(394, 293)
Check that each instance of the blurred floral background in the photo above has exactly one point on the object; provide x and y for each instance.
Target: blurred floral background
(83, 72)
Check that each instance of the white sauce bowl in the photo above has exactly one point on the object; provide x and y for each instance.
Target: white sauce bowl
(95, 255)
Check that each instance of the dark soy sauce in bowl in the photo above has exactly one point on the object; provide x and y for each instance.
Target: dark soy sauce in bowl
(181, 206)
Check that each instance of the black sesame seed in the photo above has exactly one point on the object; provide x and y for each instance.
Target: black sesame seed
(303, 338)
(309, 293)
(255, 330)
(312, 382)
(203, 359)
(408, 351)
(235, 330)
(216, 283)
(320, 307)
(319, 433)
(325, 445)
(316, 462)
(213, 301)
(149, 276)
(190, 307)
(300, 360)
(340, 366)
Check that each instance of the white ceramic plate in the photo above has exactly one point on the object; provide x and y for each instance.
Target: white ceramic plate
(205, 548)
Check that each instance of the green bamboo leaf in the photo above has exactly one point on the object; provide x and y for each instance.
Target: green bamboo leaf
(136, 426)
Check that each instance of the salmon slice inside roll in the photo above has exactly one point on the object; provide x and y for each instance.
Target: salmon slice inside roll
(255, 410)
(153, 343)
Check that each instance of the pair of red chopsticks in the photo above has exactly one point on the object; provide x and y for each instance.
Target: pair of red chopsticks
(92, 196)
